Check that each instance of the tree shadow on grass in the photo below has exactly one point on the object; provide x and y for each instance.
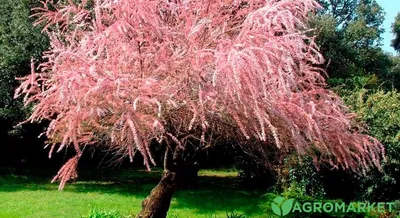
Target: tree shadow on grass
(214, 193)
(107, 183)
(212, 200)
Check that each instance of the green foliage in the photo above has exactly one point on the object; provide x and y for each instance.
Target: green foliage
(393, 77)
(365, 30)
(300, 175)
(341, 10)
(396, 32)
(19, 42)
(380, 111)
(349, 36)
(345, 85)
(303, 177)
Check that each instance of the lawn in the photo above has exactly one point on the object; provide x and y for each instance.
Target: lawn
(33, 195)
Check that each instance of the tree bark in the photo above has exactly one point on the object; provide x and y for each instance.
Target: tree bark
(156, 205)
(178, 172)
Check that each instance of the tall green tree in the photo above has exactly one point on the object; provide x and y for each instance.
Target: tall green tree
(19, 42)
(349, 35)
(396, 32)
(341, 10)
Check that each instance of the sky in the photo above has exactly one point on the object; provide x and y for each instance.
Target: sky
(391, 8)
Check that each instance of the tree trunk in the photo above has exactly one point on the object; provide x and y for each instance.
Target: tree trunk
(156, 205)
(178, 172)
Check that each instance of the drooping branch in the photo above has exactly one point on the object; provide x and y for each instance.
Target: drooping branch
(67, 172)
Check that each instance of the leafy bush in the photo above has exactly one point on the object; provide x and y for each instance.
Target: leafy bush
(380, 111)
(300, 176)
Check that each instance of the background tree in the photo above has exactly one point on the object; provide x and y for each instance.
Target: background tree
(392, 78)
(343, 11)
(396, 32)
(188, 74)
(19, 41)
(349, 35)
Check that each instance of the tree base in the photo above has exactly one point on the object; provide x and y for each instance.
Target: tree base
(156, 205)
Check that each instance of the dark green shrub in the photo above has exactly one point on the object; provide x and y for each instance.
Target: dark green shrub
(300, 176)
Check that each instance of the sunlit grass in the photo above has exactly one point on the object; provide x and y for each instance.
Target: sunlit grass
(123, 192)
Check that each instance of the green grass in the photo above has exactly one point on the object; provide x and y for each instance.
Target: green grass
(122, 192)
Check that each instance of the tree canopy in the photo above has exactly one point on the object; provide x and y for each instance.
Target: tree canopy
(396, 32)
(133, 71)
(349, 35)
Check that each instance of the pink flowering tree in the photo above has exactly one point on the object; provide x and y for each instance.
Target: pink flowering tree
(182, 72)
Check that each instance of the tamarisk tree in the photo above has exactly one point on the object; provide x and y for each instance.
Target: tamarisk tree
(188, 73)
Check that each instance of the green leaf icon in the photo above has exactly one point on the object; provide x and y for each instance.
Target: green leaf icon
(281, 206)
(276, 209)
(287, 206)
